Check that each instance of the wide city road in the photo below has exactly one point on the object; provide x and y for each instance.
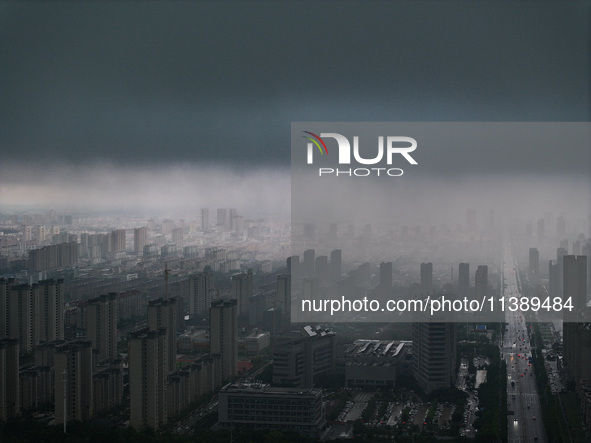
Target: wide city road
(525, 422)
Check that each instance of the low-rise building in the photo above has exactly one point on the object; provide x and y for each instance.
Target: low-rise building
(261, 407)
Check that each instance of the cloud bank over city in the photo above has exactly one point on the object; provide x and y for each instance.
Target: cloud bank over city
(174, 189)
(99, 94)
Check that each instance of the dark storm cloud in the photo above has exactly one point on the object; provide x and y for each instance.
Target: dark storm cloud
(139, 82)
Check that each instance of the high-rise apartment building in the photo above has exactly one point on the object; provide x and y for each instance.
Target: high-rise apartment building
(222, 219)
(50, 296)
(140, 239)
(101, 324)
(178, 237)
(9, 379)
(34, 313)
(242, 290)
(148, 378)
(205, 219)
(5, 285)
(73, 366)
(232, 219)
(200, 288)
(61, 255)
(223, 335)
(117, 241)
(23, 313)
(27, 233)
(162, 314)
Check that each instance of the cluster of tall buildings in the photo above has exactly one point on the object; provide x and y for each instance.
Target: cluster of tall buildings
(84, 377)
(108, 246)
(75, 376)
(62, 255)
(158, 389)
(31, 314)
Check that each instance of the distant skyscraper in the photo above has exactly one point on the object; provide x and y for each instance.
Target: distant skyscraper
(167, 226)
(201, 285)
(101, 325)
(233, 215)
(27, 233)
(223, 335)
(464, 280)
(481, 282)
(140, 237)
(534, 265)
(75, 359)
(222, 219)
(148, 374)
(117, 241)
(242, 290)
(205, 219)
(178, 237)
(427, 278)
(40, 233)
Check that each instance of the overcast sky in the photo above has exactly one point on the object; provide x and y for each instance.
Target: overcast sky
(156, 84)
